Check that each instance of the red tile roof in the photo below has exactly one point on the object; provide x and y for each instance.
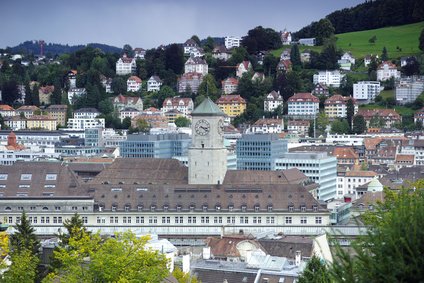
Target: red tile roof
(388, 63)
(302, 97)
(175, 101)
(229, 81)
(135, 78)
(5, 107)
(345, 153)
(385, 113)
(230, 98)
(338, 99)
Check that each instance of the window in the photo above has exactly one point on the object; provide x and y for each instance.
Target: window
(243, 208)
(270, 220)
(288, 220)
(303, 208)
(205, 208)
(318, 220)
(97, 220)
(139, 208)
(303, 220)
(204, 219)
(124, 219)
(51, 177)
(291, 208)
(113, 207)
(74, 208)
(139, 220)
(269, 208)
(57, 208)
(85, 219)
(116, 219)
(26, 177)
(59, 220)
(3, 177)
(257, 220)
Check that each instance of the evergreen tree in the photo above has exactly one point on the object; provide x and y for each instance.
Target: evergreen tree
(24, 238)
(315, 272)
(384, 55)
(350, 112)
(57, 93)
(359, 124)
(74, 228)
(421, 40)
(28, 95)
(295, 56)
(35, 96)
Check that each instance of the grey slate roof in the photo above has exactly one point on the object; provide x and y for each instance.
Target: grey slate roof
(207, 108)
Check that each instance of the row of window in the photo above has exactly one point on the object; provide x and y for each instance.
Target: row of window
(45, 208)
(28, 177)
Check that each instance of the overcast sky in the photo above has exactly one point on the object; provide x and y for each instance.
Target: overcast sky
(149, 23)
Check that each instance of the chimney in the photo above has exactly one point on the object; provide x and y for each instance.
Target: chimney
(298, 258)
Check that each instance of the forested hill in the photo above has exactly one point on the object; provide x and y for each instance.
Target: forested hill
(370, 15)
(33, 47)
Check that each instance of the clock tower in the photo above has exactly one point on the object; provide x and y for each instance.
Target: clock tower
(207, 156)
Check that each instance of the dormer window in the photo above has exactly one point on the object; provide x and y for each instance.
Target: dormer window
(127, 207)
(139, 207)
(114, 207)
(243, 208)
(152, 207)
(218, 207)
(165, 207)
(315, 208)
(205, 208)
(291, 207)
(270, 208)
(303, 208)
(257, 208)
(179, 207)
(192, 207)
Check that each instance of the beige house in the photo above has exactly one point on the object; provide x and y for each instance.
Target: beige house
(41, 122)
(58, 112)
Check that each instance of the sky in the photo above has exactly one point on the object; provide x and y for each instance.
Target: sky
(150, 23)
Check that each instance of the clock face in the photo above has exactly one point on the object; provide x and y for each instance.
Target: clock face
(202, 127)
(220, 126)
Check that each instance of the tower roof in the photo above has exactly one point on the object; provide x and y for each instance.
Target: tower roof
(207, 108)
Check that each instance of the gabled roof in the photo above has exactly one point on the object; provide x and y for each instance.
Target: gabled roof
(269, 122)
(28, 108)
(231, 98)
(175, 101)
(207, 108)
(303, 97)
(388, 63)
(345, 152)
(5, 107)
(155, 78)
(231, 80)
(338, 99)
(46, 89)
(385, 113)
(190, 42)
(274, 96)
(135, 78)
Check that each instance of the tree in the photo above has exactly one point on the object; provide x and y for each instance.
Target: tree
(350, 112)
(196, 39)
(372, 40)
(74, 228)
(340, 127)
(261, 39)
(315, 272)
(143, 126)
(392, 249)
(182, 122)
(10, 92)
(126, 123)
(24, 238)
(412, 67)
(209, 44)
(57, 93)
(119, 86)
(295, 56)
(127, 49)
(322, 123)
(359, 124)
(384, 55)
(123, 258)
(208, 87)
(270, 64)
(421, 40)
(183, 277)
(311, 130)
(23, 268)
(324, 30)
(174, 58)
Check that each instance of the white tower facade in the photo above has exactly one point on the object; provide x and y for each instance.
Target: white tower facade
(207, 156)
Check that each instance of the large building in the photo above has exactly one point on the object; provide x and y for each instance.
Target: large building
(272, 101)
(303, 104)
(162, 196)
(232, 41)
(189, 82)
(229, 85)
(259, 151)
(328, 78)
(387, 70)
(366, 90)
(408, 89)
(232, 104)
(125, 65)
(155, 146)
(182, 104)
(319, 167)
(336, 106)
(58, 112)
(196, 65)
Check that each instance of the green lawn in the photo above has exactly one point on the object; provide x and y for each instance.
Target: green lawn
(387, 93)
(402, 110)
(278, 52)
(404, 37)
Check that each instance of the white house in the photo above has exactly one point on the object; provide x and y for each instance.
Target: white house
(300, 127)
(267, 126)
(329, 78)
(336, 106)
(348, 181)
(120, 102)
(272, 101)
(221, 53)
(286, 37)
(307, 41)
(303, 104)
(75, 93)
(7, 111)
(184, 105)
(79, 124)
(387, 70)
(154, 83)
(229, 85)
(15, 123)
(408, 89)
(86, 113)
(232, 41)
(128, 112)
(366, 90)
(196, 65)
(190, 46)
(125, 65)
(242, 68)
(134, 84)
(349, 57)
(139, 53)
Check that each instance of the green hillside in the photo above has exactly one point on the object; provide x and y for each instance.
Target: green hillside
(405, 37)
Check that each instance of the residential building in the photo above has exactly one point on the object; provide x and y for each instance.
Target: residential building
(129, 112)
(86, 113)
(349, 57)
(196, 65)
(232, 41)
(408, 89)
(41, 122)
(344, 64)
(45, 93)
(229, 85)
(58, 112)
(317, 166)
(388, 116)
(387, 70)
(320, 89)
(419, 152)
(243, 67)
(305, 56)
(134, 84)
(155, 146)
(189, 82)
(27, 110)
(272, 101)
(383, 150)
(7, 111)
(284, 65)
(107, 84)
(368, 60)
(125, 65)
(154, 83)
(336, 106)
(346, 155)
(285, 55)
(303, 104)
(232, 104)
(300, 127)
(329, 78)
(419, 116)
(366, 90)
(221, 53)
(15, 123)
(30, 138)
(120, 102)
(182, 104)
(190, 46)
(267, 126)
(72, 78)
(172, 115)
(348, 181)
(139, 53)
(307, 41)
(75, 93)
(286, 37)
(259, 151)
(258, 76)
(80, 124)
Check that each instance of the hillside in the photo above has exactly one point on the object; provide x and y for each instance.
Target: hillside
(32, 47)
(405, 37)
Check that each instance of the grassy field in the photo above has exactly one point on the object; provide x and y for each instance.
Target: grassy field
(405, 37)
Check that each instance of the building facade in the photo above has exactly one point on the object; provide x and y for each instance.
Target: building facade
(272, 101)
(154, 83)
(328, 78)
(408, 89)
(182, 104)
(134, 84)
(366, 90)
(232, 104)
(232, 41)
(303, 104)
(125, 65)
(336, 106)
(387, 70)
